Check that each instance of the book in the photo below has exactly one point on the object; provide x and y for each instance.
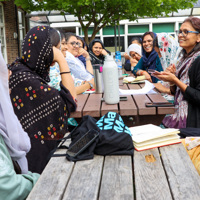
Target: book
(130, 79)
(151, 136)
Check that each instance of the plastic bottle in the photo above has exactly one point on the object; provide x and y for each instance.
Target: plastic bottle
(118, 60)
(111, 81)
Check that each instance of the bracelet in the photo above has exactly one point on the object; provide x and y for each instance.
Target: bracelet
(88, 59)
(65, 72)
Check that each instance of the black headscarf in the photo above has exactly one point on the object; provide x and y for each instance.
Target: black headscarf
(43, 111)
(96, 59)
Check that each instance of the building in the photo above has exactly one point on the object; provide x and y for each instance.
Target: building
(13, 26)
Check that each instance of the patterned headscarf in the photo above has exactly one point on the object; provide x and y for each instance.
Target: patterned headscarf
(168, 47)
(42, 110)
(37, 51)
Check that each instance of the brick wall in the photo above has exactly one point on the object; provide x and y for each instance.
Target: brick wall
(10, 28)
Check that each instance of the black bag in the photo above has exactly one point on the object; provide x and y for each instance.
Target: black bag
(114, 137)
(189, 132)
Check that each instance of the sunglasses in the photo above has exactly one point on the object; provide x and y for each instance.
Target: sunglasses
(185, 32)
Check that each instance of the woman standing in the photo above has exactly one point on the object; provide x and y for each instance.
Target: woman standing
(185, 83)
(42, 110)
(150, 58)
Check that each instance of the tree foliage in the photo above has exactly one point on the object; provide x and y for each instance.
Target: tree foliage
(100, 13)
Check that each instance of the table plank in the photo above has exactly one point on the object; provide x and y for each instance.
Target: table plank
(150, 181)
(127, 107)
(161, 110)
(52, 182)
(85, 180)
(117, 180)
(93, 105)
(184, 181)
(81, 99)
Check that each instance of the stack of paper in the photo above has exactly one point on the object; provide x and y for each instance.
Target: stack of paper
(151, 136)
(139, 79)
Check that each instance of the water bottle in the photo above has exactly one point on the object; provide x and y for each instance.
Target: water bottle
(111, 81)
(118, 60)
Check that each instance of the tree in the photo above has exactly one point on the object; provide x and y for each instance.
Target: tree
(100, 13)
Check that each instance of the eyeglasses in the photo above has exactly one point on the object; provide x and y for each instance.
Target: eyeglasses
(185, 32)
(75, 44)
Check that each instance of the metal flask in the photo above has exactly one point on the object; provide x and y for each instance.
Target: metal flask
(98, 78)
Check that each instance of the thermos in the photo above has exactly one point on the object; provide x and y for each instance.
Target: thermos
(98, 78)
(111, 81)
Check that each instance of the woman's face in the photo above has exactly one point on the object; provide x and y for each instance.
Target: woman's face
(147, 43)
(97, 49)
(135, 55)
(63, 47)
(72, 45)
(80, 43)
(188, 41)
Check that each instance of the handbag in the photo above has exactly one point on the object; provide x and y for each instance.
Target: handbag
(114, 137)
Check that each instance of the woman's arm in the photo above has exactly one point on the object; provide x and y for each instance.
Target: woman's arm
(67, 80)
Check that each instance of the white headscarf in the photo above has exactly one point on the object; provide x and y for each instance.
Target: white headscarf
(16, 140)
(136, 48)
(168, 47)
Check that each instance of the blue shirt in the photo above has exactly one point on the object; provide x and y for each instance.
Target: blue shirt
(140, 66)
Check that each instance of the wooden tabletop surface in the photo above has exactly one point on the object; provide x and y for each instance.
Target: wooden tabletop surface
(92, 104)
(156, 174)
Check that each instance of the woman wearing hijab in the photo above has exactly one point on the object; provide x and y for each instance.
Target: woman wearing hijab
(134, 53)
(150, 59)
(42, 110)
(97, 52)
(185, 82)
(14, 144)
(168, 51)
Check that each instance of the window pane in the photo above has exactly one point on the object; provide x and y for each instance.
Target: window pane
(109, 43)
(138, 28)
(110, 30)
(159, 28)
(1, 14)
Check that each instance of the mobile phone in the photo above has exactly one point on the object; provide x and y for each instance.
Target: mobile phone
(159, 104)
(81, 144)
(151, 71)
(123, 98)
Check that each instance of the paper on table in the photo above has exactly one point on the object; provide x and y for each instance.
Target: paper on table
(147, 89)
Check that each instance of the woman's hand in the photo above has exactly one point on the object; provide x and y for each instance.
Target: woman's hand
(83, 52)
(126, 56)
(57, 55)
(166, 76)
(147, 76)
(171, 69)
(104, 52)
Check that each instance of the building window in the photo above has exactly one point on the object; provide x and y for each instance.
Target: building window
(110, 30)
(138, 28)
(21, 21)
(2, 33)
(109, 43)
(90, 31)
(165, 27)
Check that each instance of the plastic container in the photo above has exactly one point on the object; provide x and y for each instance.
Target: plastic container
(111, 81)
(118, 61)
(98, 78)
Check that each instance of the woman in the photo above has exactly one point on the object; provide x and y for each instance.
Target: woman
(185, 83)
(150, 58)
(97, 52)
(78, 70)
(82, 44)
(168, 51)
(135, 53)
(14, 144)
(42, 110)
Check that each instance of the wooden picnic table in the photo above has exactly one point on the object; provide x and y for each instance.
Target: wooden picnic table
(133, 111)
(156, 174)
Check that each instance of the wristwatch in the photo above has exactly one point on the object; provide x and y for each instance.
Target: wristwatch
(91, 85)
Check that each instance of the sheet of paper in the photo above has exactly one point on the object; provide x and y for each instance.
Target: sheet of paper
(147, 89)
